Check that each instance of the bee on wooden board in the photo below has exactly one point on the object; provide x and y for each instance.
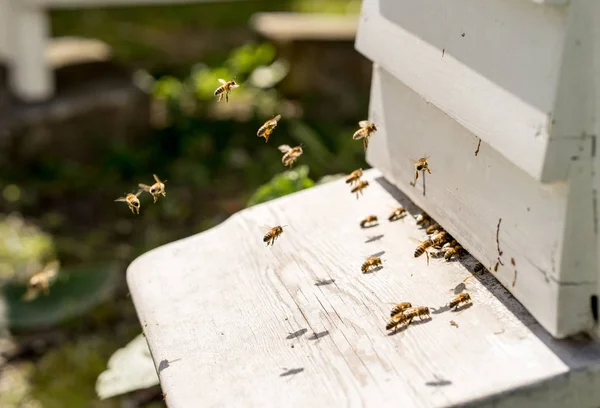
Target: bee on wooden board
(423, 219)
(365, 132)
(41, 281)
(290, 154)
(421, 165)
(435, 227)
(441, 238)
(155, 189)
(398, 213)
(422, 249)
(419, 311)
(272, 234)
(354, 177)
(462, 298)
(399, 308)
(371, 262)
(132, 201)
(454, 250)
(370, 220)
(266, 129)
(225, 88)
(358, 189)
(398, 319)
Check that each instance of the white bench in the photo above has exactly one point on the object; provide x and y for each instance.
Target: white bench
(24, 32)
(298, 324)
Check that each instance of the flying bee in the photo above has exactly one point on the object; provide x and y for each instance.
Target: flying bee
(455, 250)
(354, 177)
(272, 234)
(371, 262)
(155, 189)
(290, 155)
(420, 166)
(422, 249)
(365, 132)
(359, 188)
(398, 213)
(266, 129)
(435, 227)
(399, 308)
(398, 320)
(462, 298)
(423, 219)
(370, 219)
(419, 311)
(132, 201)
(41, 281)
(225, 89)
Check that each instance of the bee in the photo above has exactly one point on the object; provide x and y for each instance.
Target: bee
(354, 177)
(441, 238)
(421, 165)
(455, 250)
(371, 262)
(41, 281)
(266, 129)
(478, 268)
(399, 308)
(368, 220)
(435, 227)
(225, 89)
(422, 249)
(423, 219)
(458, 300)
(418, 311)
(365, 132)
(132, 201)
(359, 188)
(398, 320)
(155, 189)
(272, 234)
(290, 154)
(398, 213)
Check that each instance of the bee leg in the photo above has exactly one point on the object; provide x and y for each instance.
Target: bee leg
(428, 171)
(220, 97)
(427, 253)
(226, 97)
(155, 198)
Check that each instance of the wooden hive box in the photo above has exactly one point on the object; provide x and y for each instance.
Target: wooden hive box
(503, 97)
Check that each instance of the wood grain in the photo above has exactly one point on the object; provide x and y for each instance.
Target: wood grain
(298, 324)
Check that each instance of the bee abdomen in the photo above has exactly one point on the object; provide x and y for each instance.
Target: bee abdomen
(400, 308)
(219, 90)
(267, 237)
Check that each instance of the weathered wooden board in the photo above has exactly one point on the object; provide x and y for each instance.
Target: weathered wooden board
(548, 230)
(230, 322)
(514, 73)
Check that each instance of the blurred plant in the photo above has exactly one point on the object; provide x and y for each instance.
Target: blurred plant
(282, 184)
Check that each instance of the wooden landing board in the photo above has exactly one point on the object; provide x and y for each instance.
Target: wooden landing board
(230, 322)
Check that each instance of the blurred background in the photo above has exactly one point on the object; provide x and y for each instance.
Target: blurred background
(134, 96)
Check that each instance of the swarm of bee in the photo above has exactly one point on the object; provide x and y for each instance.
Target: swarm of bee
(403, 315)
(155, 190)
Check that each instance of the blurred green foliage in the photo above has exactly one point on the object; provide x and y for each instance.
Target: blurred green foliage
(282, 184)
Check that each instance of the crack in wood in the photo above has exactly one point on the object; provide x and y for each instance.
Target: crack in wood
(498, 239)
(478, 146)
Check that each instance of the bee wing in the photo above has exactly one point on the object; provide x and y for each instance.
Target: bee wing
(139, 192)
(284, 148)
(51, 269)
(276, 118)
(121, 199)
(265, 228)
(363, 123)
(358, 134)
(30, 294)
(145, 187)
(222, 81)
(156, 178)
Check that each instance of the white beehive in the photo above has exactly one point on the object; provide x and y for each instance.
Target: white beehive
(518, 81)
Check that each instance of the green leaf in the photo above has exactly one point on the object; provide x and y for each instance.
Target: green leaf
(282, 184)
(75, 291)
(130, 368)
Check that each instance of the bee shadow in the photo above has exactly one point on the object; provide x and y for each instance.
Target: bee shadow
(316, 336)
(296, 334)
(402, 217)
(416, 321)
(438, 383)
(439, 310)
(398, 331)
(373, 270)
(464, 306)
(377, 254)
(459, 288)
(369, 226)
(324, 282)
(291, 371)
(374, 238)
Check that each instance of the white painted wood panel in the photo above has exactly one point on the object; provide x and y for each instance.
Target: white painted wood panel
(230, 322)
(110, 3)
(546, 229)
(493, 66)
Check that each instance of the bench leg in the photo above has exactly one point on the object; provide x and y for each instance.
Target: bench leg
(30, 77)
